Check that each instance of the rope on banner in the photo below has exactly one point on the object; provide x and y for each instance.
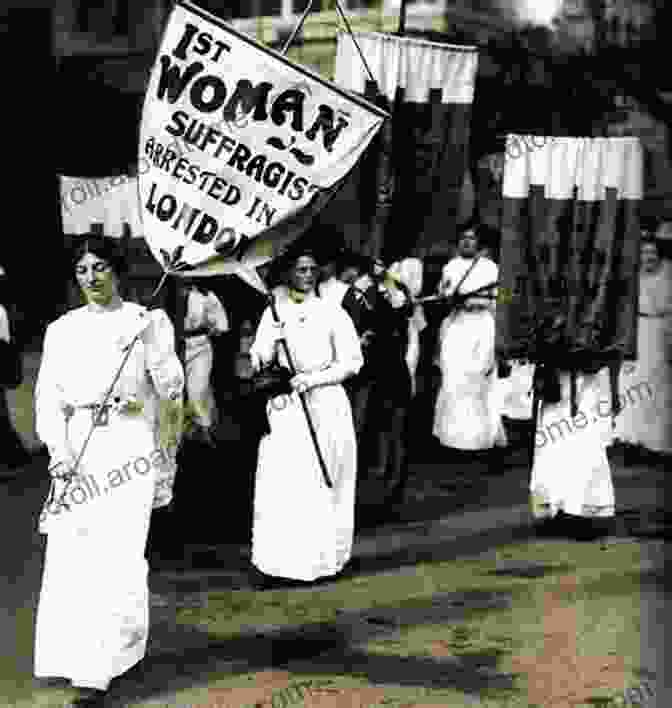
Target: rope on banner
(352, 36)
(298, 27)
(341, 12)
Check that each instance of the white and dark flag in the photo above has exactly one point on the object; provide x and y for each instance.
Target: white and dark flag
(570, 242)
(423, 158)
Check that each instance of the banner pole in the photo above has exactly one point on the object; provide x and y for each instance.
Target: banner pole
(298, 27)
(302, 398)
(402, 18)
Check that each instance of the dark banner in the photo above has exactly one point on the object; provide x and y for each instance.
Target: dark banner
(411, 190)
(570, 246)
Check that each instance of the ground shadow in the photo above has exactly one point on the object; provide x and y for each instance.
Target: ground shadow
(330, 647)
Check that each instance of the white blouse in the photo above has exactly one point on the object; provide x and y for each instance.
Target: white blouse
(483, 273)
(205, 310)
(320, 336)
(82, 352)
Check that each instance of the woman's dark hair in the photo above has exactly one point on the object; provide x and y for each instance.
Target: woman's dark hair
(110, 250)
(349, 259)
(280, 268)
(106, 248)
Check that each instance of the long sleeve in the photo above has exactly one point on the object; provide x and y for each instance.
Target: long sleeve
(167, 375)
(348, 358)
(50, 403)
(263, 348)
(216, 314)
(162, 362)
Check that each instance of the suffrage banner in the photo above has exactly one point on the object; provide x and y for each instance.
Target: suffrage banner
(110, 202)
(243, 146)
(570, 244)
(423, 154)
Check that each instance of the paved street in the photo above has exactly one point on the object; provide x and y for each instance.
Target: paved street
(377, 635)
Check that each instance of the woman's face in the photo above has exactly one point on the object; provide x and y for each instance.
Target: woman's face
(649, 257)
(303, 275)
(97, 279)
(467, 246)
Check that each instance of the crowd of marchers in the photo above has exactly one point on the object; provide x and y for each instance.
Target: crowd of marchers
(335, 373)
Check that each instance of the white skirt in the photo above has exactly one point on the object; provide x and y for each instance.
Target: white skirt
(645, 391)
(571, 470)
(93, 612)
(467, 415)
(302, 529)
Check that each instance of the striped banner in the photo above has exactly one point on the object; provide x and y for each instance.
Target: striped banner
(423, 158)
(109, 204)
(570, 242)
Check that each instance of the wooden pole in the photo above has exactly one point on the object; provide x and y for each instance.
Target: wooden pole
(302, 398)
(402, 18)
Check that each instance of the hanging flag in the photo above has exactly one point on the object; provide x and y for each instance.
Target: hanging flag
(424, 160)
(243, 146)
(111, 202)
(570, 243)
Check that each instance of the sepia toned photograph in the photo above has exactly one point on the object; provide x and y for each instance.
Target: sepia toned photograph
(335, 353)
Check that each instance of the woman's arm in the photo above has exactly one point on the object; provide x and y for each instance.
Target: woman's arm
(217, 320)
(348, 358)
(51, 410)
(263, 349)
(167, 376)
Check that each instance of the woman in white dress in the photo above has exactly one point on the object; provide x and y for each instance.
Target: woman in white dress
(92, 619)
(467, 413)
(571, 481)
(571, 474)
(303, 530)
(646, 385)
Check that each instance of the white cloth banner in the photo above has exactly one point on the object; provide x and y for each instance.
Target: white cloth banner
(110, 201)
(235, 141)
(409, 63)
(560, 164)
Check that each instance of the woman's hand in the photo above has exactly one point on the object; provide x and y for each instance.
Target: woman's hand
(278, 331)
(62, 469)
(301, 383)
(366, 338)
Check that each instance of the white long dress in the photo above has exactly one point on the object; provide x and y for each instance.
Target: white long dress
(645, 386)
(468, 408)
(203, 310)
(333, 290)
(571, 470)
(302, 529)
(92, 619)
(517, 391)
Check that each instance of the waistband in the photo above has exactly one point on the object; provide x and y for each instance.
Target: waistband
(109, 408)
(473, 308)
